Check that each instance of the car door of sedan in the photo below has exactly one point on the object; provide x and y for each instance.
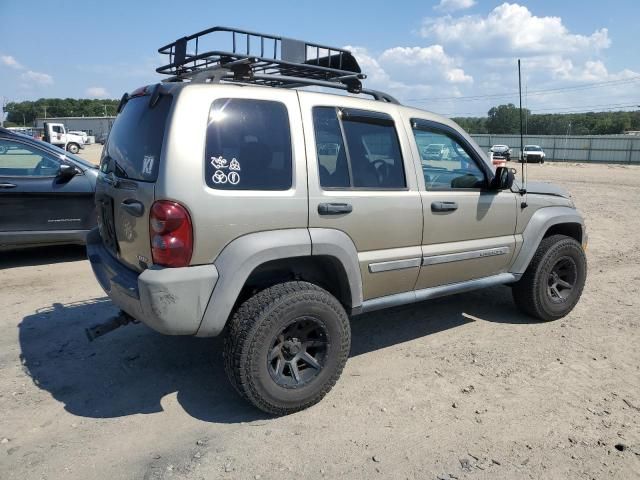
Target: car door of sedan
(34, 198)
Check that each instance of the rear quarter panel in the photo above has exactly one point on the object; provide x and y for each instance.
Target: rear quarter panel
(220, 216)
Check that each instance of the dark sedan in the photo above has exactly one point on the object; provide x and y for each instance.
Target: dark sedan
(46, 194)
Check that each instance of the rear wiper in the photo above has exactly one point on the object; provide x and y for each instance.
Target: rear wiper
(123, 102)
(113, 167)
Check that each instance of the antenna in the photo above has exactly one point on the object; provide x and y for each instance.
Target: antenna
(523, 187)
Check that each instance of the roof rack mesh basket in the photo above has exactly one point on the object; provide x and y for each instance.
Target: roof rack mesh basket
(262, 59)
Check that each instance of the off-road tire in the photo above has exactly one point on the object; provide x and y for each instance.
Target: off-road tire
(255, 325)
(531, 293)
(73, 148)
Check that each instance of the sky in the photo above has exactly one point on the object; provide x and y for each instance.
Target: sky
(453, 57)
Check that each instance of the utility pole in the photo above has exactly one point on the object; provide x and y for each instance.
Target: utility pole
(526, 110)
(45, 110)
(3, 104)
(105, 109)
(566, 139)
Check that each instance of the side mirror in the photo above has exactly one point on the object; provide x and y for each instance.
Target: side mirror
(66, 172)
(503, 179)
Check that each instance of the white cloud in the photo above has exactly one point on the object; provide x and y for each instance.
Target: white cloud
(407, 72)
(10, 62)
(511, 29)
(97, 92)
(453, 5)
(30, 77)
(423, 64)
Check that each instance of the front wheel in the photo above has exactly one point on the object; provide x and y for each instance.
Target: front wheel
(553, 282)
(286, 347)
(73, 148)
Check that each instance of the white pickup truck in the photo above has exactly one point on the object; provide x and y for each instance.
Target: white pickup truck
(56, 134)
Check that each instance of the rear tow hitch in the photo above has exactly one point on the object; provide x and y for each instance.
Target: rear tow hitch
(110, 325)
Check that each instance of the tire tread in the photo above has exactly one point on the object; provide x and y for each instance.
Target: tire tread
(525, 291)
(247, 327)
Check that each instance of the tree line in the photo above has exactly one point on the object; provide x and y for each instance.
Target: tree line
(505, 119)
(502, 119)
(24, 113)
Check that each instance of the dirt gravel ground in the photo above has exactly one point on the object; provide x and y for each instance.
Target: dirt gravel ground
(458, 388)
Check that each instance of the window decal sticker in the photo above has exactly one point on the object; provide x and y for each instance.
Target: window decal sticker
(219, 162)
(234, 165)
(147, 164)
(219, 177)
(234, 178)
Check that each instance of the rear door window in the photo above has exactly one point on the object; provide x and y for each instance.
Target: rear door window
(248, 145)
(135, 142)
(371, 159)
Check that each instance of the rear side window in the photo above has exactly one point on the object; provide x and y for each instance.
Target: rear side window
(135, 141)
(372, 157)
(248, 145)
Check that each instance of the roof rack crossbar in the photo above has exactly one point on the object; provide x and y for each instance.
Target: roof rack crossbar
(262, 59)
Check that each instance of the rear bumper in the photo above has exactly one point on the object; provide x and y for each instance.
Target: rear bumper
(169, 300)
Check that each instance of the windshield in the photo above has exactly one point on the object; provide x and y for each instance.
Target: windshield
(135, 140)
(532, 148)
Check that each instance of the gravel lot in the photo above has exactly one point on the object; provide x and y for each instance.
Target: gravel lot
(462, 387)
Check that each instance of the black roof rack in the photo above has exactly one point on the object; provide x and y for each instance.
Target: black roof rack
(262, 59)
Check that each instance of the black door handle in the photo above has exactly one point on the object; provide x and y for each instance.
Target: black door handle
(443, 206)
(7, 185)
(334, 208)
(132, 207)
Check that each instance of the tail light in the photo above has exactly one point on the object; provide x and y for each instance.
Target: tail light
(171, 234)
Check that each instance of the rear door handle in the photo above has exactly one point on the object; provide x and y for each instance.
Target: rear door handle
(133, 207)
(7, 185)
(334, 208)
(443, 206)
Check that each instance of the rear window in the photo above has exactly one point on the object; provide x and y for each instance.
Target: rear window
(135, 140)
(248, 145)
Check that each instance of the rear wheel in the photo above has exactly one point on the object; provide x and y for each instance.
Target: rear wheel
(73, 148)
(286, 347)
(552, 284)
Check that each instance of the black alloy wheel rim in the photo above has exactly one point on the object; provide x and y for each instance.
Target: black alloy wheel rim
(298, 353)
(562, 279)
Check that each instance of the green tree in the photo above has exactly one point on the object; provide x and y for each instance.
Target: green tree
(26, 112)
(504, 119)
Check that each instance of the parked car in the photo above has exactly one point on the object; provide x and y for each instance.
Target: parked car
(533, 153)
(501, 151)
(434, 151)
(46, 194)
(81, 134)
(271, 215)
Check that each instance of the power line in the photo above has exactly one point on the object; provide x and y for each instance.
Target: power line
(559, 110)
(586, 107)
(549, 91)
